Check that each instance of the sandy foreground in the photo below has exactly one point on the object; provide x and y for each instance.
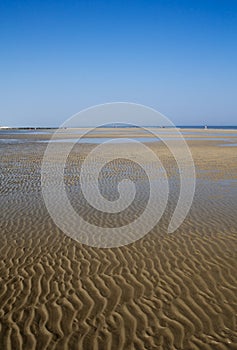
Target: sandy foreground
(164, 291)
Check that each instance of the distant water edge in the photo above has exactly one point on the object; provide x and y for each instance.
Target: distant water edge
(220, 127)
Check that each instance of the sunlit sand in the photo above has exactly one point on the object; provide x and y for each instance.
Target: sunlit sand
(174, 291)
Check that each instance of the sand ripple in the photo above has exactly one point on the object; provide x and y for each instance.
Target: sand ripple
(164, 291)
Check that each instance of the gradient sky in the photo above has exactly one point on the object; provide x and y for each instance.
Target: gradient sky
(58, 57)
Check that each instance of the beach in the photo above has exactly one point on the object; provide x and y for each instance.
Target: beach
(163, 291)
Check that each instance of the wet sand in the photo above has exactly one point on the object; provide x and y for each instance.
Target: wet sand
(164, 291)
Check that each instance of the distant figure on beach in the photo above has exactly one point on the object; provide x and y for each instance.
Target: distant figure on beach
(205, 127)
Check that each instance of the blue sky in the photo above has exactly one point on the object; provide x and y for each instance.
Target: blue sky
(58, 57)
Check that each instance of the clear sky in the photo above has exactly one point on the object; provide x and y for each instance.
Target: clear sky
(58, 57)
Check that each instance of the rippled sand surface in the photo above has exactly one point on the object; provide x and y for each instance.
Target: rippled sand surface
(164, 291)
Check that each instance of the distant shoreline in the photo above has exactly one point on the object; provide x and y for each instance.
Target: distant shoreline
(200, 127)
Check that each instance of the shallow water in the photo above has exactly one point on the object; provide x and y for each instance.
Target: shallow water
(140, 139)
(229, 145)
(116, 139)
